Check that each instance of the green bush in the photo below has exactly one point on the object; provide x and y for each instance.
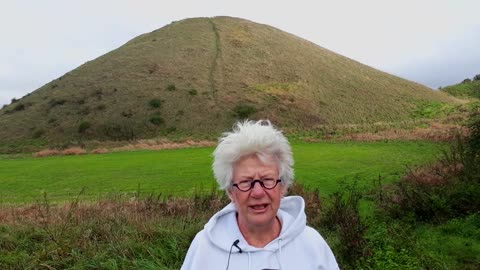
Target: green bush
(450, 188)
(155, 103)
(192, 92)
(391, 247)
(118, 131)
(171, 87)
(19, 107)
(243, 111)
(156, 120)
(341, 215)
(38, 133)
(56, 102)
(83, 127)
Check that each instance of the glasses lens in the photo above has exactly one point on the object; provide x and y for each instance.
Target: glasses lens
(246, 185)
(269, 183)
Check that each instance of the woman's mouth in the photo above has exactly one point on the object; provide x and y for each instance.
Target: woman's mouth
(258, 208)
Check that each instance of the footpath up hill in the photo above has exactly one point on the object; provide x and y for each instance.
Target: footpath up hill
(195, 77)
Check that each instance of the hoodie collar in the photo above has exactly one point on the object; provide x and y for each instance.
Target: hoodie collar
(222, 229)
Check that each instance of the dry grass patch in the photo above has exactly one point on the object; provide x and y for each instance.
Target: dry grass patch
(163, 144)
(47, 153)
(74, 151)
(66, 152)
(435, 132)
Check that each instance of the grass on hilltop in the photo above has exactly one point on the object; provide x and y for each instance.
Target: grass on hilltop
(469, 89)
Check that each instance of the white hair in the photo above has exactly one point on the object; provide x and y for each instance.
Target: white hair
(258, 138)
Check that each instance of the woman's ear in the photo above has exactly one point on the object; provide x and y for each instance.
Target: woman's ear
(230, 195)
(283, 190)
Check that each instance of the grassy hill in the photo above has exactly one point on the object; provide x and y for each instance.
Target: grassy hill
(195, 77)
(466, 89)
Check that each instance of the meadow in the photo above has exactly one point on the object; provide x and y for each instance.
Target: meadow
(115, 210)
(183, 172)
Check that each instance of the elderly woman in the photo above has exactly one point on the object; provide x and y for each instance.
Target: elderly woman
(260, 228)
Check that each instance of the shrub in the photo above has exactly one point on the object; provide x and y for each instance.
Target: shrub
(156, 120)
(155, 103)
(119, 131)
(83, 127)
(127, 114)
(243, 111)
(342, 216)
(450, 188)
(56, 102)
(38, 133)
(19, 107)
(14, 100)
(192, 92)
(170, 130)
(171, 87)
(467, 81)
(477, 77)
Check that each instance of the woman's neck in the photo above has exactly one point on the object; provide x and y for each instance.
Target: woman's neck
(260, 236)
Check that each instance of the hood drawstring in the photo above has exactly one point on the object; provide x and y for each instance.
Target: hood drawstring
(279, 253)
(234, 244)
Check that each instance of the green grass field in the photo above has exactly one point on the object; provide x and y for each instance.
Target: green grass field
(184, 171)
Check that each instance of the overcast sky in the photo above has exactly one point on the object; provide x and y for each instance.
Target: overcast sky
(433, 42)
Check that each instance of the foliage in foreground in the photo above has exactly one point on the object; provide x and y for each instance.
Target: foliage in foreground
(422, 222)
(115, 233)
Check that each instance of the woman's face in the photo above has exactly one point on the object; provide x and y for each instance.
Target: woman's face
(257, 208)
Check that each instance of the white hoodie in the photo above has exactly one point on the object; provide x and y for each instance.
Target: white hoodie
(297, 247)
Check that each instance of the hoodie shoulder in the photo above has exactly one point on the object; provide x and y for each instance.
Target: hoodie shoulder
(318, 247)
(191, 258)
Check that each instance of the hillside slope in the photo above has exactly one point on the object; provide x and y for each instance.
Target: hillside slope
(195, 77)
(468, 89)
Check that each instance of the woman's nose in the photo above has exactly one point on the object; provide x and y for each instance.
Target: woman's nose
(257, 190)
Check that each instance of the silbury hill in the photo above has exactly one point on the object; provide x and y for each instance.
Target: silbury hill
(197, 76)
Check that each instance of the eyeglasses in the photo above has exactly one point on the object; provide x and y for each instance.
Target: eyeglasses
(246, 185)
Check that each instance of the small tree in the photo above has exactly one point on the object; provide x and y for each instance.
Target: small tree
(243, 111)
(192, 92)
(83, 127)
(155, 103)
(156, 120)
(477, 77)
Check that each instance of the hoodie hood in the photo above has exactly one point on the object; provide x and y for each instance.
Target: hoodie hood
(222, 229)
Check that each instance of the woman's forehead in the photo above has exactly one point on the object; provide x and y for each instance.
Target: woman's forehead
(253, 164)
